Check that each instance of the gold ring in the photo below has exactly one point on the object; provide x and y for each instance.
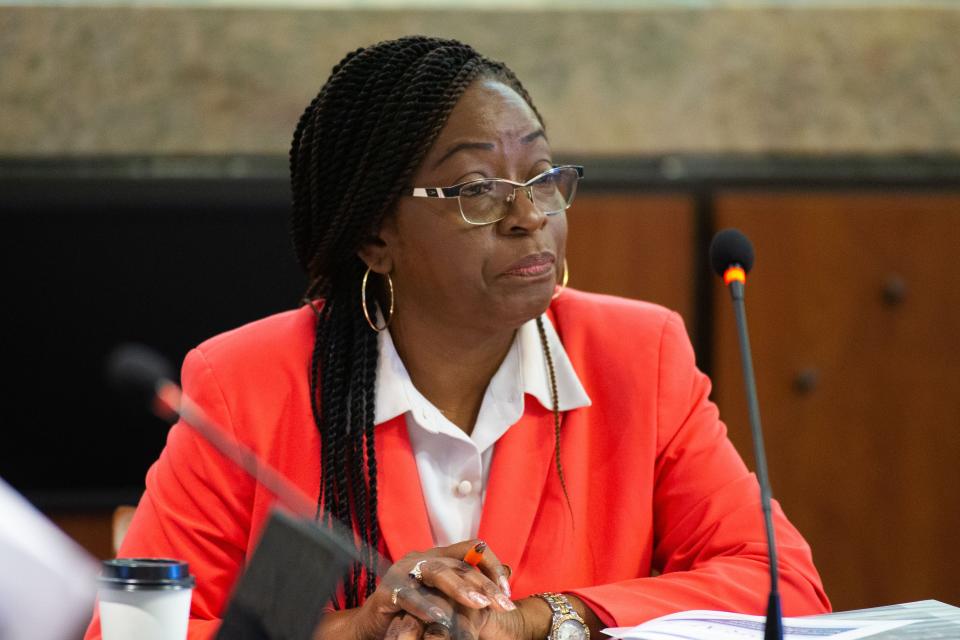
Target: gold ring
(394, 594)
(417, 572)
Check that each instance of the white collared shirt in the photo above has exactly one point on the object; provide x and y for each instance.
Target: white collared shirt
(454, 466)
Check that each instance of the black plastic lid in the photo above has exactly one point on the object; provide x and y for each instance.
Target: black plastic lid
(131, 574)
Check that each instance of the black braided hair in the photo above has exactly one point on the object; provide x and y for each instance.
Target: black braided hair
(355, 148)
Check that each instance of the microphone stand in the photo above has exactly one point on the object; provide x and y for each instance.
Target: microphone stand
(773, 629)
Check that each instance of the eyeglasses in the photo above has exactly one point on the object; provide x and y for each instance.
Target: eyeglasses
(488, 200)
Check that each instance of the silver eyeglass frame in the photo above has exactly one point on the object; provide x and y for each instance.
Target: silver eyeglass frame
(454, 191)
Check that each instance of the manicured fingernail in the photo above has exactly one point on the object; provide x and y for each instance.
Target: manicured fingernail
(440, 616)
(506, 603)
(479, 598)
(505, 586)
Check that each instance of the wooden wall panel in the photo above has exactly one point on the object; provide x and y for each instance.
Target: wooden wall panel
(854, 309)
(634, 245)
(92, 530)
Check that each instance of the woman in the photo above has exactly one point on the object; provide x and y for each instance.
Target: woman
(463, 397)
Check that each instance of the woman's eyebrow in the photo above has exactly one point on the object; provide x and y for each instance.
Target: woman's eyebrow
(486, 146)
(530, 137)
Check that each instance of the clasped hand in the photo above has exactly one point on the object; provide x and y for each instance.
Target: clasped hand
(452, 600)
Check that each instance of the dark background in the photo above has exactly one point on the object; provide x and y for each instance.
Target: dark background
(101, 261)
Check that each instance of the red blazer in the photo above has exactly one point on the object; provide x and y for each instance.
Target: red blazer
(654, 483)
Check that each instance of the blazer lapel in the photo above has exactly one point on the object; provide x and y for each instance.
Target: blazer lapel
(400, 505)
(520, 468)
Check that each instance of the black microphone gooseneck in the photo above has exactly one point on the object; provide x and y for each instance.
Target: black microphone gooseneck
(297, 565)
(137, 368)
(731, 256)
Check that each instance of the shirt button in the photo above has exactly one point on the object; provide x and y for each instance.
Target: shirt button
(464, 488)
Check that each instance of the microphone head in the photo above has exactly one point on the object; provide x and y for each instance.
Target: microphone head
(135, 367)
(730, 247)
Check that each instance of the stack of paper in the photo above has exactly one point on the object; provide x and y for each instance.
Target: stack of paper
(719, 625)
(47, 582)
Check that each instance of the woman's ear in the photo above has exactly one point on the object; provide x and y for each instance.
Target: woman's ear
(377, 250)
(375, 255)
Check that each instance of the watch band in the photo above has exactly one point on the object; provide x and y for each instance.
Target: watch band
(562, 612)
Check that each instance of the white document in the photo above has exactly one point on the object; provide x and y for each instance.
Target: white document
(721, 625)
(47, 582)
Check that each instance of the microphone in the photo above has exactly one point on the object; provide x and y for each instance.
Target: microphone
(297, 564)
(133, 367)
(137, 368)
(731, 256)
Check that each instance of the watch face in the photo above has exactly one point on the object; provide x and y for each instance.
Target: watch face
(571, 630)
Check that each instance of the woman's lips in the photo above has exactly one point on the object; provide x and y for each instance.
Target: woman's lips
(535, 264)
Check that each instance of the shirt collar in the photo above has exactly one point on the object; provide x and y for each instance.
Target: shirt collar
(393, 397)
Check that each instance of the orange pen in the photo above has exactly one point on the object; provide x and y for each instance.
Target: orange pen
(475, 555)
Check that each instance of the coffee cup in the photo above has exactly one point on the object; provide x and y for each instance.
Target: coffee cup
(145, 598)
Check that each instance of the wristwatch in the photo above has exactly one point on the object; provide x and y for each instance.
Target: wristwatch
(566, 623)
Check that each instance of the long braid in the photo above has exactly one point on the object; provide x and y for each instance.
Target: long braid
(370, 369)
(355, 472)
(556, 410)
(354, 150)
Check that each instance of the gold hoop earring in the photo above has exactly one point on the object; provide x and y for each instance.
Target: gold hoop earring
(563, 283)
(363, 301)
